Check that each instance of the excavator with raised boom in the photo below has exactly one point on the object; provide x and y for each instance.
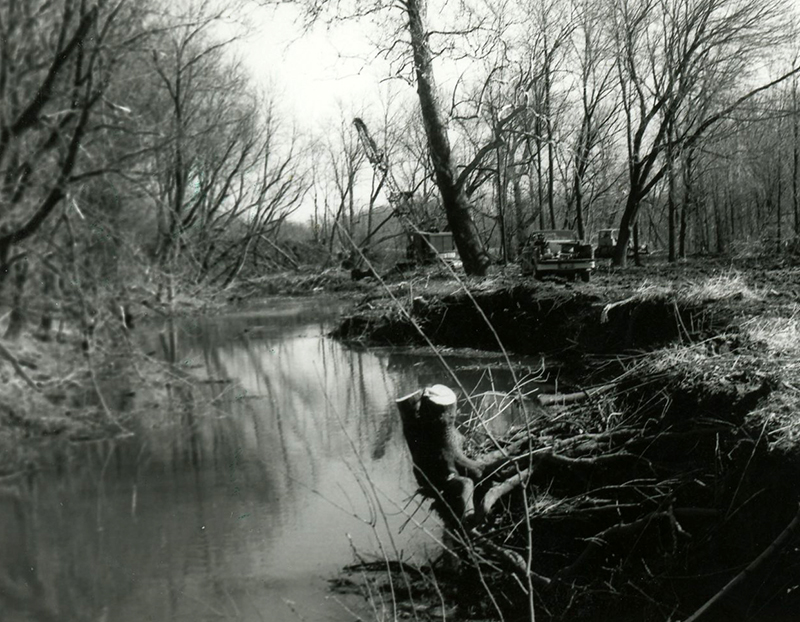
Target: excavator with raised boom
(423, 246)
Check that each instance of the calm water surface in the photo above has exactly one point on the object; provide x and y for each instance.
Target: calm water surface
(237, 499)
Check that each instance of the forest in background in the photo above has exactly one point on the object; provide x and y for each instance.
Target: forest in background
(137, 152)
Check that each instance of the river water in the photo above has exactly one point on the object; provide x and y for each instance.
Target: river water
(236, 499)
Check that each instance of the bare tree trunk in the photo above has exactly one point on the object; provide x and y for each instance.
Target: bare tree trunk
(454, 199)
(719, 223)
(351, 207)
(539, 186)
(637, 260)
(795, 159)
(779, 200)
(239, 264)
(371, 207)
(690, 202)
(579, 207)
(580, 159)
(671, 207)
(550, 175)
(619, 257)
(16, 321)
(519, 211)
(51, 299)
(501, 196)
(5, 254)
(549, 135)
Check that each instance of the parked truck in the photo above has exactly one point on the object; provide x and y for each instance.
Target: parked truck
(557, 252)
(430, 246)
(607, 242)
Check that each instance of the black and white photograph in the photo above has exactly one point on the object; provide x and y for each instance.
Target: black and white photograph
(408, 310)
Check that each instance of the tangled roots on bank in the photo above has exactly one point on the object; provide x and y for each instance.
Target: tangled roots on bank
(642, 502)
(644, 499)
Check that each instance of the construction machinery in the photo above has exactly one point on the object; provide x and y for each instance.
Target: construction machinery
(399, 200)
(607, 242)
(423, 246)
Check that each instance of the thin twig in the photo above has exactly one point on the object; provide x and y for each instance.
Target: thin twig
(739, 578)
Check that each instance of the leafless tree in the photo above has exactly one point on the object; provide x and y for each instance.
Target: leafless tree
(599, 105)
(220, 169)
(416, 35)
(57, 60)
(672, 52)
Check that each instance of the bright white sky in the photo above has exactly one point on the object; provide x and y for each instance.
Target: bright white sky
(320, 77)
(315, 72)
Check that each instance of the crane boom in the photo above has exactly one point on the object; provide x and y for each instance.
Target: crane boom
(423, 246)
(399, 200)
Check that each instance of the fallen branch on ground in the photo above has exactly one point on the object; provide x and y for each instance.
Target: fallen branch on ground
(739, 578)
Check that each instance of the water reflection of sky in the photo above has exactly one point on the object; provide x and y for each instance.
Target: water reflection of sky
(237, 500)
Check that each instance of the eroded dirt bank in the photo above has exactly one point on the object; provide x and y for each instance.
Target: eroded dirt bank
(530, 317)
(670, 494)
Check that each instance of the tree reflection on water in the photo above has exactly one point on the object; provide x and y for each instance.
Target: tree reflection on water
(235, 498)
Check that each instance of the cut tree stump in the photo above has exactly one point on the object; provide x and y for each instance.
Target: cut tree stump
(442, 470)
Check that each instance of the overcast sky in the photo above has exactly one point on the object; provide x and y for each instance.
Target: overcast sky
(311, 70)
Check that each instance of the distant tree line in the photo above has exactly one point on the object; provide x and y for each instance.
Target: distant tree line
(676, 120)
(134, 148)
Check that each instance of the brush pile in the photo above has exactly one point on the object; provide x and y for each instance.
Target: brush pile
(668, 490)
(645, 497)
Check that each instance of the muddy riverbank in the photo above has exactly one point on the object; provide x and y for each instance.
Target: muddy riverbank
(528, 317)
(671, 493)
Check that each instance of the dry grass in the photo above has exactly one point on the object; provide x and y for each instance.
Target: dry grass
(723, 286)
(720, 287)
(779, 418)
(728, 286)
(780, 335)
(780, 414)
(680, 359)
(769, 349)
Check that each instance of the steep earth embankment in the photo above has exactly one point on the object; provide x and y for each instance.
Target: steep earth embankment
(669, 494)
(553, 318)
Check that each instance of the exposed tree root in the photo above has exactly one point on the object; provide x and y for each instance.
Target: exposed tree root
(501, 489)
(622, 503)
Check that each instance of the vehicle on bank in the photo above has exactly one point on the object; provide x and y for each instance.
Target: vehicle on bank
(607, 242)
(429, 246)
(557, 252)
